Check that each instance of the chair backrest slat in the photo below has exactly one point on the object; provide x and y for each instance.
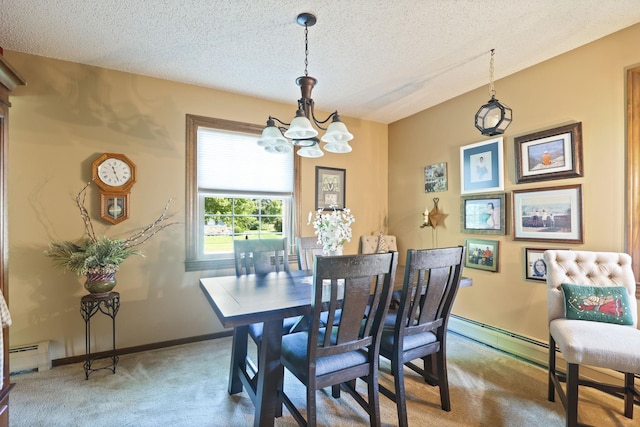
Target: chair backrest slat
(260, 256)
(358, 285)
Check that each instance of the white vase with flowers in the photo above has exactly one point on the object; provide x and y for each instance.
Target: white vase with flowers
(333, 229)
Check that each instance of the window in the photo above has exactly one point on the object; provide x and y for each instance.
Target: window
(235, 190)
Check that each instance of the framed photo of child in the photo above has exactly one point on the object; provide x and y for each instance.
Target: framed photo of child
(481, 167)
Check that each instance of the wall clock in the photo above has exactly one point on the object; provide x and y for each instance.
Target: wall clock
(114, 174)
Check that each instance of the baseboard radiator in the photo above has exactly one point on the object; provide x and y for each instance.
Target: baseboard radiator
(30, 357)
(529, 349)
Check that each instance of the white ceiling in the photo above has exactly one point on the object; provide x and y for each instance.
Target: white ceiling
(376, 60)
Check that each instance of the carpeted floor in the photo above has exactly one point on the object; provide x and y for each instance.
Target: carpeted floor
(187, 386)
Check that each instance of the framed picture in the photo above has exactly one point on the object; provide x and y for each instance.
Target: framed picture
(551, 214)
(481, 254)
(481, 168)
(534, 265)
(435, 178)
(550, 154)
(330, 188)
(483, 214)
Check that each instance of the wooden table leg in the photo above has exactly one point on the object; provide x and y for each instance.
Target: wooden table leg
(238, 358)
(270, 374)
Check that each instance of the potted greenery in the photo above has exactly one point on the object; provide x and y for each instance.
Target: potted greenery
(99, 257)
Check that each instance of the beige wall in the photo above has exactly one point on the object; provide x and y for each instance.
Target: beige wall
(68, 114)
(585, 85)
(65, 117)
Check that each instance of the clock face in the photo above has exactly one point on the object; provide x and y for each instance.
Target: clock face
(114, 172)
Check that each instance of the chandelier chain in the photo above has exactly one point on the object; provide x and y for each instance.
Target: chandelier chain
(492, 89)
(306, 49)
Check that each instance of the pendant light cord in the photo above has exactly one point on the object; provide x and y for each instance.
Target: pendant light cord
(306, 48)
(492, 89)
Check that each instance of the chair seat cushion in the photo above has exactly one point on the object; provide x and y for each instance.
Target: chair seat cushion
(256, 329)
(597, 303)
(294, 351)
(598, 344)
(409, 343)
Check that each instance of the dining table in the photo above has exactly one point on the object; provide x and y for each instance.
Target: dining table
(239, 301)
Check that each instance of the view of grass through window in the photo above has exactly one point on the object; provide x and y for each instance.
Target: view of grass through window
(229, 218)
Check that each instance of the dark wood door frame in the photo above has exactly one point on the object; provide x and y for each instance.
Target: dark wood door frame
(633, 170)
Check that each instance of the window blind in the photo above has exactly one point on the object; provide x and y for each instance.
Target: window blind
(233, 162)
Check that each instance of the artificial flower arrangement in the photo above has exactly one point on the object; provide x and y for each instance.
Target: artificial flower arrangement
(333, 229)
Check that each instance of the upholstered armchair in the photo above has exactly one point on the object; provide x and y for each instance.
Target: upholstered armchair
(593, 313)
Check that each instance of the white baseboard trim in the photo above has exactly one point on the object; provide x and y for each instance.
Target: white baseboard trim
(529, 349)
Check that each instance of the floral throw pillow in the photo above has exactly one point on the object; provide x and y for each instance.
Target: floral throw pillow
(609, 304)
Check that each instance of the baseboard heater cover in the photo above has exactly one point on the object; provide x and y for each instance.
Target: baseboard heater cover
(30, 357)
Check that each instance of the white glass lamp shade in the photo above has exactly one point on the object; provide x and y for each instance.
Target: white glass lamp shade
(338, 147)
(337, 133)
(305, 142)
(271, 135)
(310, 152)
(278, 148)
(300, 128)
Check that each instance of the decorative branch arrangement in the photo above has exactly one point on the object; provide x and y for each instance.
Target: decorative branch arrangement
(101, 255)
(135, 239)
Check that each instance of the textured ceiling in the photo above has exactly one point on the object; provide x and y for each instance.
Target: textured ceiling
(375, 60)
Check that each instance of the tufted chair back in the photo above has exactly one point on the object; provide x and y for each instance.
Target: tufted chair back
(587, 268)
(377, 244)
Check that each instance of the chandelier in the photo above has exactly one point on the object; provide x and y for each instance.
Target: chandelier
(493, 118)
(300, 132)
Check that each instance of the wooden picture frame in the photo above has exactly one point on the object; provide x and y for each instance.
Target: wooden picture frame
(483, 214)
(534, 266)
(435, 178)
(481, 254)
(330, 188)
(549, 154)
(552, 214)
(481, 167)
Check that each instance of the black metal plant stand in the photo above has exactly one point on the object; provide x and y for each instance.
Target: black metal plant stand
(107, 303)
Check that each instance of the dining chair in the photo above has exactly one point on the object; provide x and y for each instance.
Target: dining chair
(321, 357)
(592, 312)
(260, 256)
(419, 328)
(306, 248)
